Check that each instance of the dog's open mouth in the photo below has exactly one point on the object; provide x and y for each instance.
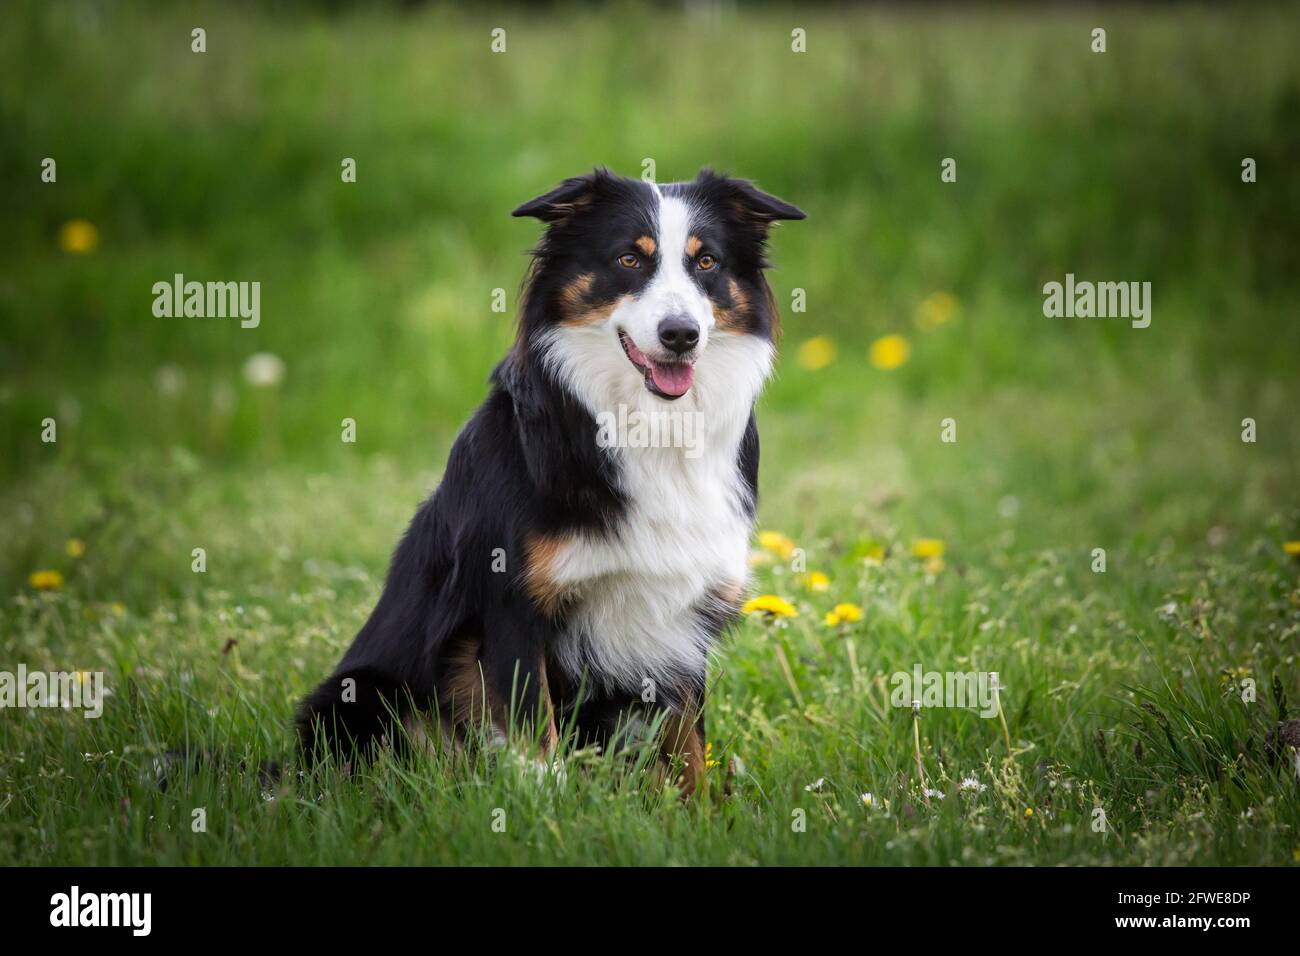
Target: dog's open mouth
(670, 380)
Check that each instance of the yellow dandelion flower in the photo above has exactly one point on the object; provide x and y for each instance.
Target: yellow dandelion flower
(849, 613)
(831, 619)
(770, 605)
(928, 547)
(1029, 812)
(889, 352)
(777, 543)
(45, 580)
(815, 354)
(709, 762)
(78, 237)
(1291, 547)
(816, 581)
(76, 548)
(936, 309)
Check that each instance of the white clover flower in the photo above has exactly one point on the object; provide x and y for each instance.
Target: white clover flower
(169, 380)
(264, 370)
(816, 785)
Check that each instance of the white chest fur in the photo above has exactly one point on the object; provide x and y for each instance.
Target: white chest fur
(636, 593)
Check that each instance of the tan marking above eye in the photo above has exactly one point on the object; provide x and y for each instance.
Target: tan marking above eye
(628, 261)
(646, 245)
(693, 246)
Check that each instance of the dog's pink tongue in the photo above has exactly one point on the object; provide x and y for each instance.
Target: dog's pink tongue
(674, 380)
(634, 353)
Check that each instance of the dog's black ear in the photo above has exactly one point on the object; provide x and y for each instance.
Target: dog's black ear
(749, 200)
(765, 205)
(565, 199)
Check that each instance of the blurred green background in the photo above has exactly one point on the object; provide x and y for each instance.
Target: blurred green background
(376, 301)
(376, 295)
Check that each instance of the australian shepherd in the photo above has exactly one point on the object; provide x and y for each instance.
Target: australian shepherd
(589, 540)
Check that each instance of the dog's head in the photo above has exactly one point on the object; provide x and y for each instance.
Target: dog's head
(637, 281)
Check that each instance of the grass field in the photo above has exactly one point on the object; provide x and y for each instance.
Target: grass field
(1122, 691)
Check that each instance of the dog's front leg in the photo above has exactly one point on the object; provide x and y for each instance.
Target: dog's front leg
(682, 748)
(513, 661)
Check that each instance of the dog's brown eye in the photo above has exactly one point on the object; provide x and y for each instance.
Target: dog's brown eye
(628, 261)
(706, 262)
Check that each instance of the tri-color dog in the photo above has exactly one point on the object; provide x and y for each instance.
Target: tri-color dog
(555, 578)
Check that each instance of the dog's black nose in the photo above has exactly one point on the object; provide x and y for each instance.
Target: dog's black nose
(679, 334)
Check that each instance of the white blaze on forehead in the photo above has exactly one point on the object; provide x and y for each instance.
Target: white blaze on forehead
(672, 291)
(674, 231)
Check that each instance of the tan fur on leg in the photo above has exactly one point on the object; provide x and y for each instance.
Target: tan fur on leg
(682, 745)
